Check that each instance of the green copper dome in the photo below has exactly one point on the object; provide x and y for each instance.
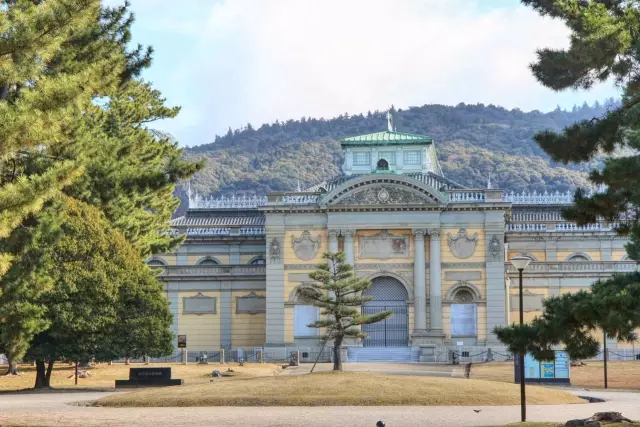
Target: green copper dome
(386, 138)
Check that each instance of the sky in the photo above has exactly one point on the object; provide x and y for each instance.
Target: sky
(232, 62)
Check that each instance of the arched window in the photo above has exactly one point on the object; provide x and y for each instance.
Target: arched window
(208, 261)
(464, 314)
(156, 263)
(578, 258)
(258, 261)
(383, 165)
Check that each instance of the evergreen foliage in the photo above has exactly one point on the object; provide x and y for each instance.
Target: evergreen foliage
(102, 301)
(338, 293)
(605, 44)
(125, 175)
(39, 102)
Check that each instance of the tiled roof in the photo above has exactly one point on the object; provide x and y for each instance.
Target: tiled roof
(387, 138)
(217, 221)
(432, 179)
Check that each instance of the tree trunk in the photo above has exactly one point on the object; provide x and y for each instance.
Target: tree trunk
(49, 370)
(41, 375)
(13, 368)
(337, 354)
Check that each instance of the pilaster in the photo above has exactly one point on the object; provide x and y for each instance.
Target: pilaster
(348, 245)
(172, 296)
(225, 315)
(420, 290)
(275, 298)
(333, 240)
(234, 253)
(435, 282)
(496, 289)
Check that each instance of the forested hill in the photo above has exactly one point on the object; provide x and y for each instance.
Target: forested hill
(473, 142)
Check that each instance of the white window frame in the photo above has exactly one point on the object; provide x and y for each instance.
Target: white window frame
(359, 162)
(409, 160)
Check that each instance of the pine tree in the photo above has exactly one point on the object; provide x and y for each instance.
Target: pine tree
(38, 103)
(338, 293)
(604, 45)
(103, 301)
(128, 172)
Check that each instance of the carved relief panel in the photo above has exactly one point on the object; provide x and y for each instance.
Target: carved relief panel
(306, 247)
(383, 245)
(530, 301)
(461, 245)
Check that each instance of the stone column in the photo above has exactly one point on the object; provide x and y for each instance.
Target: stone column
(420, 287)
(348, 246)
(435, 283)
(333, 240)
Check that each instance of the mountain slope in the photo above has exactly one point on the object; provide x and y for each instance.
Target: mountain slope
(473, 143)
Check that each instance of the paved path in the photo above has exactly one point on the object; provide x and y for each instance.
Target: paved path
(53, 409)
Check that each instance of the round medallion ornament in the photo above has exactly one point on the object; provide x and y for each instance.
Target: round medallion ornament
(383, 196)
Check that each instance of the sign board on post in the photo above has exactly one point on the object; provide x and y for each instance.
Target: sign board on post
(182, 341)
(547, 371)
(460, 343)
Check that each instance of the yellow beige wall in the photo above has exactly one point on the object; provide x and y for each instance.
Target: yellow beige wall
(563, 255)
(202, 330)
(193, 259)
(538, 255)
(247, 330)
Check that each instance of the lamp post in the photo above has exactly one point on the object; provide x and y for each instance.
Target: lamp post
(520, 263)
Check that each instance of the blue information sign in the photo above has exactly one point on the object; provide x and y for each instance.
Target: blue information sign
(546, 371)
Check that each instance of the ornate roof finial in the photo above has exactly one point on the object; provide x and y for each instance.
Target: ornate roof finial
(390, 125)
(489, 186)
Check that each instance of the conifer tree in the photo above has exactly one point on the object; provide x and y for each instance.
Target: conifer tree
(605, 44)
(38, 102)
(128, 173)
(338, 293)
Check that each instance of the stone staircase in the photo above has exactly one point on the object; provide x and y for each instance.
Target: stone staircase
(383, 354)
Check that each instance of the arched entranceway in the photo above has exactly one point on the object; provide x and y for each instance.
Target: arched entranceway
(388, 294)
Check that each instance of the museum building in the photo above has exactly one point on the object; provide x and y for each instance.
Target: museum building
(435, 251)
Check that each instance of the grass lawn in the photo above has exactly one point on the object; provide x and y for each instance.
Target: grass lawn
(623, 375)
(339, 389)
(103, 376)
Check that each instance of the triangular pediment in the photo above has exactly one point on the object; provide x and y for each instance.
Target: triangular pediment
(383, 190)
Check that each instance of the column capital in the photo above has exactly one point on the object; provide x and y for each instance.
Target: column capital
(333, 233)
(434, 232)
(419, 232)
(348, 233)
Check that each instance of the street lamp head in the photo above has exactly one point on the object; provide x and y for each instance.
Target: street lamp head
(520, 262)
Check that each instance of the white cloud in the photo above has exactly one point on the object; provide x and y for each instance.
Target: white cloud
(257, 61)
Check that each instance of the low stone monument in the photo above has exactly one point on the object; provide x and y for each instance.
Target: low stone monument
(148, 377)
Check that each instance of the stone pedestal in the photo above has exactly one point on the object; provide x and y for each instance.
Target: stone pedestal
(419, 339)
(428, 353)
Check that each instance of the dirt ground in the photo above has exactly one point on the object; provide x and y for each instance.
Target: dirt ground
(622, 375)
(103, 376)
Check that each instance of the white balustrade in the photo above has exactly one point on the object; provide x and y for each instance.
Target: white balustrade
(305, 199)
(526, 227)
(466, 196)
(578, 266)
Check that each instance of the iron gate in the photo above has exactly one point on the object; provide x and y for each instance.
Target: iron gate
(388, 294)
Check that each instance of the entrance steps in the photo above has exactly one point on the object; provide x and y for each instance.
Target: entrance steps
(383, 354)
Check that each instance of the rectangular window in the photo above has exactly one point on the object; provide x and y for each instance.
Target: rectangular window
(411, 157)
(361, 158)
(304, 315)
(463, 320)
(389, 156)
